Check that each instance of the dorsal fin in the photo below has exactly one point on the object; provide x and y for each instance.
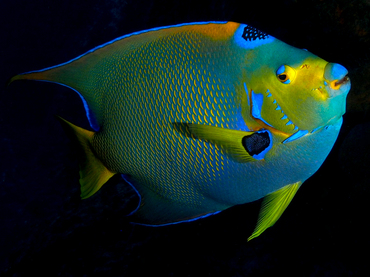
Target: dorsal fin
(75, 74)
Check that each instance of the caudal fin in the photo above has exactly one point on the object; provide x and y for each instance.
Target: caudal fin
(93, 173)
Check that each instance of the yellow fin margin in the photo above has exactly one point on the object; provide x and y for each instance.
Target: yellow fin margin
(93, 173)
(273, 206)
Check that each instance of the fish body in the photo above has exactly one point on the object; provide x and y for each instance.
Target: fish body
(204, 116)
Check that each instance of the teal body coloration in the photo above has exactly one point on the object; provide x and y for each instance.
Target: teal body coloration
(200, 117)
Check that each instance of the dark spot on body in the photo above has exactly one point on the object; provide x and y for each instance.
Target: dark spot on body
(256, 143)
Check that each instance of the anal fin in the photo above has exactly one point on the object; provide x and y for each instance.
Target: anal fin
(157, 210)
(273, 206)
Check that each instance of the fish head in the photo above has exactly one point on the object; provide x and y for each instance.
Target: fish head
(293, 92)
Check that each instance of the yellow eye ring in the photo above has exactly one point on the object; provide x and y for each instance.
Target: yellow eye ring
(285, 74)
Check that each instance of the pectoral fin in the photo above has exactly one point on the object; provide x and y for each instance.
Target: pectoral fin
(240, 146)
(273, 206)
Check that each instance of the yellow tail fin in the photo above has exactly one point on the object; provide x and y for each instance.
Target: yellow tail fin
(93, 173)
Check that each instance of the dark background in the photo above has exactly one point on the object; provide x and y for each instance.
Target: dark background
(47, 230)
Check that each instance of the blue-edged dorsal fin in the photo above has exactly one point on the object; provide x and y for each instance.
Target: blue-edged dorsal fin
(273, 206)
(78, 75)
(92, 73)
(93, 173)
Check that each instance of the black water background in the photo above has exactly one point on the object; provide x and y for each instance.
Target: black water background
(46, 229)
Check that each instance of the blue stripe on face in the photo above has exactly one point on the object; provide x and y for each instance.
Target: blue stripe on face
(257, 101)
(296, 136)
(246, 90)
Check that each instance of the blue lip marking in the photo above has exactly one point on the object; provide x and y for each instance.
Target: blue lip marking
(338, 71)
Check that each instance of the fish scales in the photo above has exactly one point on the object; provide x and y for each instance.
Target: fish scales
(195, 164)
(203, 116)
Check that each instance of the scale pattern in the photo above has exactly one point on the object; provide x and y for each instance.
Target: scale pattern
(161, 85)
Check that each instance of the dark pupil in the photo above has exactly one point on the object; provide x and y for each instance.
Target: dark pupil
(282, 77)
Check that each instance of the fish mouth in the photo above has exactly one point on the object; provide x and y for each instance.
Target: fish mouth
(344, 80)
(334, 86)
(256, 100)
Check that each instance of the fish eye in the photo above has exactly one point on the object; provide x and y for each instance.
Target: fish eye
(283, 77)
(285, 74)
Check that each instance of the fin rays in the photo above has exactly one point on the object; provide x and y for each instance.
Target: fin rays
(273, 206)
(93, 173)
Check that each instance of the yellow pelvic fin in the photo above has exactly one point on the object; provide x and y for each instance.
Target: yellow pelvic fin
(228, 140)
(93, 173)
(273, 206)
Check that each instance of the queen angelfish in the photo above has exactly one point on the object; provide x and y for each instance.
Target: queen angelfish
(200, 117)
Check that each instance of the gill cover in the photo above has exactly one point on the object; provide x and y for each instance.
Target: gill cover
(290, 90)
